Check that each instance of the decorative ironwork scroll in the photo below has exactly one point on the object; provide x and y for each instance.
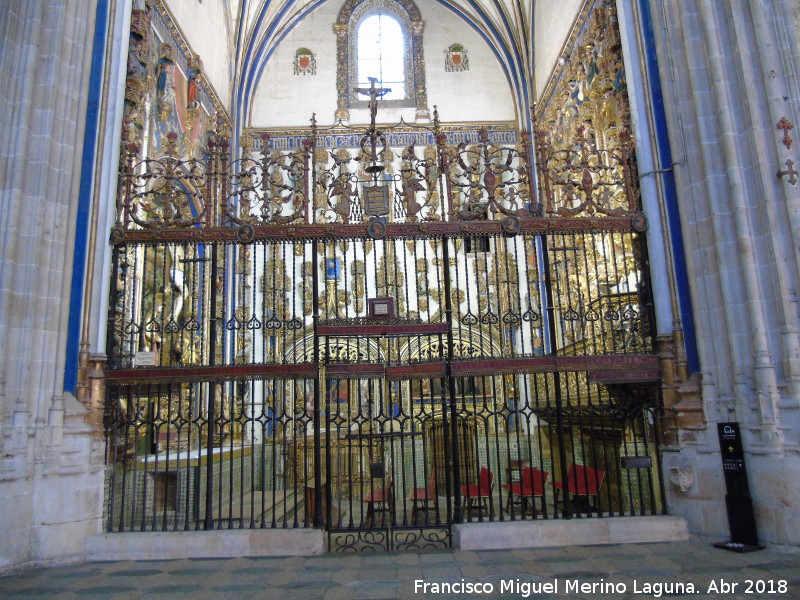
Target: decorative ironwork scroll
(484, 178)
(585, 153)
(272, 190)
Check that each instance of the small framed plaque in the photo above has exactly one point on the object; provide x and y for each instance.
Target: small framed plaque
(144, 359)
(380, 308)
(636, 462)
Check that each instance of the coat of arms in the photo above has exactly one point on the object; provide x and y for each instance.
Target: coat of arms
(305, 63)
(456, 58)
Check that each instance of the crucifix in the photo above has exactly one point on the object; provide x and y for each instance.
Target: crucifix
(373, 136)
(373, 93)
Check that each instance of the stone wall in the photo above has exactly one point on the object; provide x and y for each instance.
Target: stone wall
(729, 77)
(51, 466)
(207, 28)
(552, 21)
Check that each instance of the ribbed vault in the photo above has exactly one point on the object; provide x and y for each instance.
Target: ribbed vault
(258, 26)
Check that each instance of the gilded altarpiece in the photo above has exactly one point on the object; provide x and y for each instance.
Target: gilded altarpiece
(586, 156)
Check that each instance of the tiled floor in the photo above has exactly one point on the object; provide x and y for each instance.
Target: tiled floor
(666, 570)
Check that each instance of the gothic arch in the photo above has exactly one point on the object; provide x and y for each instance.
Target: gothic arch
(468, 343)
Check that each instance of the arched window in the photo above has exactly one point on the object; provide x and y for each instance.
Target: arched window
(380, 53)
(381, 39)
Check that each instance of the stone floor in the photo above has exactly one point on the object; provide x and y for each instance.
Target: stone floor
(643, 570)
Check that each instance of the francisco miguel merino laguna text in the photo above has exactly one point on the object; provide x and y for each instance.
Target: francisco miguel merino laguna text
(526, 589)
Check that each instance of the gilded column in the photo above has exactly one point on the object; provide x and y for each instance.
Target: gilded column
(421, 94)
(342, 103)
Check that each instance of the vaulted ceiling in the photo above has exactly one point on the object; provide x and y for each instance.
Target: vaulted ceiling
(257, 26)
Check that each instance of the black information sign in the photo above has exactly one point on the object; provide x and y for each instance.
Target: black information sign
(636, 462)
(741, 519)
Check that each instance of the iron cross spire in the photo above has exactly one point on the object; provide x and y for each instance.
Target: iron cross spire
(373, 93)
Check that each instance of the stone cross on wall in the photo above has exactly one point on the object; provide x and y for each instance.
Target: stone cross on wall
(786, 125)
(373, 93)
(789, 171)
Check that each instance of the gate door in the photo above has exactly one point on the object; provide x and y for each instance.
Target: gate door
(386, 482)
(385, 423)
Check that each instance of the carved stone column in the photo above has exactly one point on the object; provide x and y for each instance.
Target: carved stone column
(51, 473)
(684, 415)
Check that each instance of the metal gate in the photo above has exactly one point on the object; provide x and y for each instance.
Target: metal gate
(382, 344)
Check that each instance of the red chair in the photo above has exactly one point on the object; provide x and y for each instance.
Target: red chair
(422, 497)
(380, 500)
(478, 494)
(583, 482)
(529, 486)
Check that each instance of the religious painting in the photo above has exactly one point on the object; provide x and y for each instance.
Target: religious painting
(338, 392)
(163, 73)
(305, 62)
(456, 58)
(332, 269)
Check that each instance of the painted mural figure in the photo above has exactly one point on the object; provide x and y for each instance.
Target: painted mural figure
(165, 85)
(137, 61)
(191, 89)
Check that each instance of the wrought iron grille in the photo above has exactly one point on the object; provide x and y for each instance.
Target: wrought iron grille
(298, 341)
(204, 303)
(245, 401)
(248, 454)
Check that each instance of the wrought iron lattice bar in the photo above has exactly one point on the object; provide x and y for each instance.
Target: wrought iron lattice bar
(162, 294)
(262, 440)
(424, 230)
(285, 437)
